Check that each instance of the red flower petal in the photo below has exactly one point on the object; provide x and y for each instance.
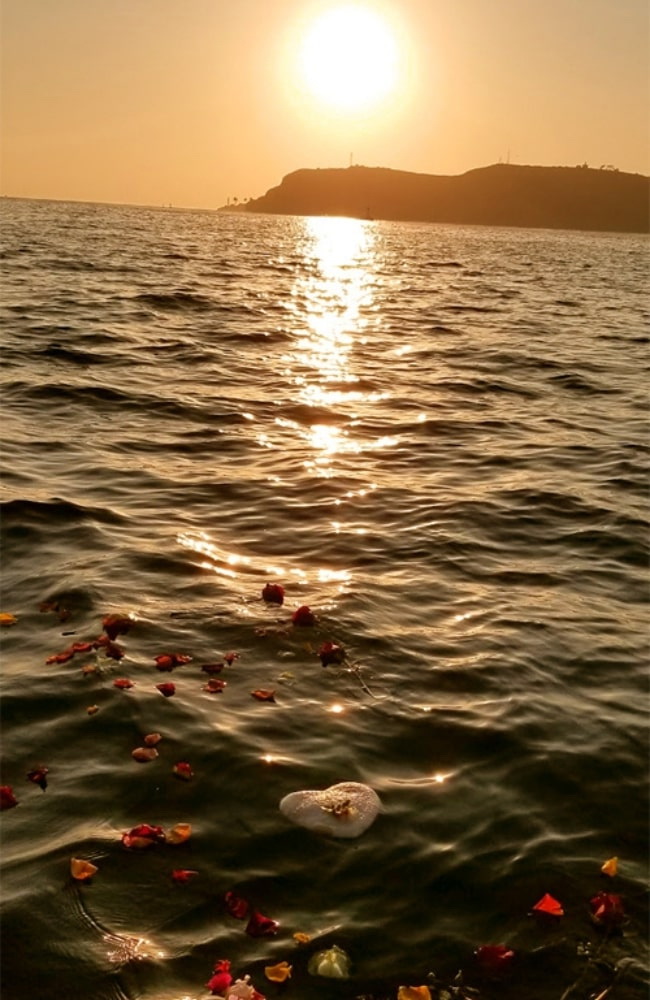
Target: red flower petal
(273, 593)
(219, 983)
(115, 625)
(260, 926)
(7, 798)
(113, 651)
(263, 695)
(143, 835)
(549, 905)
(494, 958)
(331, 652)
(303, 616)
(236, 905)
(81, 647)
(167, 689)
(123, 683)
(230, 657)
(214, 686)
(168, 661)
(63, 657)
(607, 909)
(183, 874)
(212, 668)
(38, 776)
(183, 770)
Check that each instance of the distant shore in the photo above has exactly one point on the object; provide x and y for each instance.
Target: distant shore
(583, 198)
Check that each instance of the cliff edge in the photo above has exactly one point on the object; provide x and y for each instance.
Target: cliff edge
(500, 195)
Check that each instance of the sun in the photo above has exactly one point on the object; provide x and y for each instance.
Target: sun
(349, 58)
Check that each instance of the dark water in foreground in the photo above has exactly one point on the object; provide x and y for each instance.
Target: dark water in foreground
(435, 437)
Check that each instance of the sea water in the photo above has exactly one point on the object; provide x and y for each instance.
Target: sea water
(436, 438)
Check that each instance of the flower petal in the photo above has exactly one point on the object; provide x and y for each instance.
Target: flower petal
(413, 993)
(260, 926)
(549, 905)
(331, 652)
(123, 683)
(168, 689)
(494, 958)
(303, 616)
(263, 695)
(152, 739)
(82, 870)
(183, 770)
(607, 909)
(115, 625)
(38, 776)
(237, 906)
(179, 833)
(144, 754)
(610, 867)
(273, 593)
(7, 619)
(183, 874)
(214, 686)
(7, 798)
(278, 973)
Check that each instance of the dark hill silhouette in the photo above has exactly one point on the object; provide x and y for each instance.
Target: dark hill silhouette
(499, 195)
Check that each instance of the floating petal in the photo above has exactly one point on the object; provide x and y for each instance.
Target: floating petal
(413, 993)
(179, 833)
(38, 776)
(183, 770)
(123, 683)
(144, 754)
(7, 798)
(278, 973)
(549, 905)
(82, 870)
(115, 625)
(494, 958)
(7, 619)
(610, 867)
(273, 593)
(236, 905)
(260, 926)
(152, 739)
(168, 689)
(263, 695)
(607, 909)
(183, 874)
(303, 616)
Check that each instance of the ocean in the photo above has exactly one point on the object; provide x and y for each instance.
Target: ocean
(436, 439)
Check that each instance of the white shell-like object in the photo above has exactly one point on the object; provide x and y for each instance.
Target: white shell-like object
(345, 810)
(333, 963)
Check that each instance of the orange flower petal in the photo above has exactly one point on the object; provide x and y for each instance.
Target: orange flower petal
(263, 695)
(278, 973)
(179, 833)
(610, 867)
(7, 619)
(301, 938)
(82, 870)
(413, 993)
(144, 754)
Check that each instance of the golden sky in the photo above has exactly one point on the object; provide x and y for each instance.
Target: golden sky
(192, 102)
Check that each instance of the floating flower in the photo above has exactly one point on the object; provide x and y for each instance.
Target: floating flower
(333, 963)
(38, 776)
(183, 770)
(607, 909)
(144, 754)
(7, 798)
(278, 973)
(7, 619)
(610, 867)
(260, 926)
(549, 905)
(115, 625)
(494, 958)
(179, 833)
(273, 593)
(212, 668)
(303, 616)
(152, 739)
(215, 685)
(221, 978)
(237, 906)
(82, 870)
(331, 652)
(183, 875)
(168, 689)
(413, 993)
(169, 661)
(263, 695)
(143, 836)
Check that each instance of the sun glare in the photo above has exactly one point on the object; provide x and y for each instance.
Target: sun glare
(349, 58)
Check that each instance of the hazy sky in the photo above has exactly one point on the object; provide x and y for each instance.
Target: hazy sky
(191, 102)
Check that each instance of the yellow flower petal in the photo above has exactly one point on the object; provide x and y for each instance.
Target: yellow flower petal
(300, 938)
(179, 833)
(81, 869)
(414, 993)
(7, 619)
(278, 973)
(610, 867)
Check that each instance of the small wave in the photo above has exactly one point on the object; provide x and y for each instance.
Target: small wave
(175, 301)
